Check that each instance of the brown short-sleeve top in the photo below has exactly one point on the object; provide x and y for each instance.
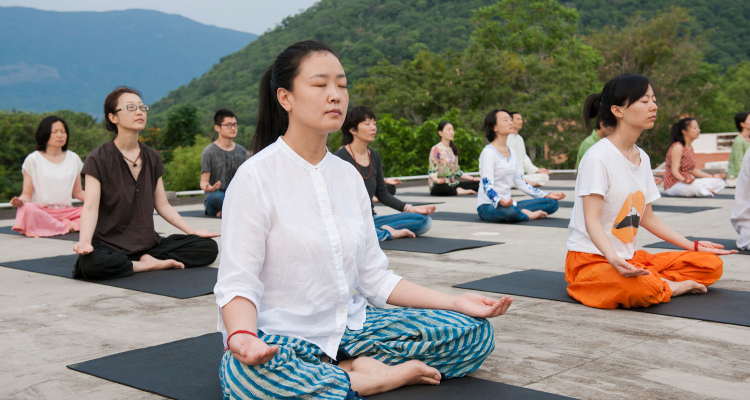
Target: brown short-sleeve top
(126, 206)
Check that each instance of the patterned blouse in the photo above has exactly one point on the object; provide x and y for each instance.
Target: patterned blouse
(443, 164)
(687, 165)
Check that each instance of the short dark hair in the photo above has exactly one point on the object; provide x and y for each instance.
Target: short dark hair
(490, 120)
(622, 90)
(110, 105)
(44, 131)
(221, 114)
(354, 117)
(740, 118)
(513, 114)
(675, 132)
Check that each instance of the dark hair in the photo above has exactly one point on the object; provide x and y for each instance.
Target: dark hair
(221, 114)
(273, 120)
(513, 114)
(598, 125)
(623, 90)
(740, 118)
(110, 105)
(676, 132)
(354, 117)
(44, 131)
(442, 126)
(490, 120)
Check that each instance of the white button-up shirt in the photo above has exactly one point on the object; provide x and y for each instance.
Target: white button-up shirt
(297, 240)
(498, 174)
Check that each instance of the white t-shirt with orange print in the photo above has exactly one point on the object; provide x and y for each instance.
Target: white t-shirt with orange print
(626, 188)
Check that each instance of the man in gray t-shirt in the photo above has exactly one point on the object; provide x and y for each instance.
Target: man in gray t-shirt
(220, 160)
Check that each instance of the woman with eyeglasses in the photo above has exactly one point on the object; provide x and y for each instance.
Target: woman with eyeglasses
(123, 187)
(51, 179)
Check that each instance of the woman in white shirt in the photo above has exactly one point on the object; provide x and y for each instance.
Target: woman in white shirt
(51, 179)
(614, 192)
(301, 261)
(498, 170)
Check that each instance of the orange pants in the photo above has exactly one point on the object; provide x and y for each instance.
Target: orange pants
(595, 283)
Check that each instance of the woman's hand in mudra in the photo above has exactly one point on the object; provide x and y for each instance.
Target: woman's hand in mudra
(250, 350)
(424, 210)
(205, 234)
(479, 306)
(16, 202)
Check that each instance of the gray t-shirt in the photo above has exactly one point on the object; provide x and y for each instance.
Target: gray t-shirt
(222, 164)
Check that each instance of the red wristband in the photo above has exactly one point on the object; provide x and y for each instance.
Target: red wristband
(236, 332)
(695, 245)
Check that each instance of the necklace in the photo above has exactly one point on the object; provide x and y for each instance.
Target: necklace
(356, 164)
(135, 163)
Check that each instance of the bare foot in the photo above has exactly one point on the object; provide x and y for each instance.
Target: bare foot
(369, 376)
(399, 233)
(680, 288)
(218, 214)
(149, 263)
(535, 214)
(462, 191)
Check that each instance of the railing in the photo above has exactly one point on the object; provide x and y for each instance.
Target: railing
(403, 178)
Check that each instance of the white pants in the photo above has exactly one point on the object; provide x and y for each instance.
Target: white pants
(701, 187)
(540, 178)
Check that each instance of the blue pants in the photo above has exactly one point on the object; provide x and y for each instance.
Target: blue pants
(417, 223)
(453, 343)
(214, 202)
(488, 212)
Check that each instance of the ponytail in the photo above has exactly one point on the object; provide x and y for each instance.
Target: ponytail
(273, 120)
(622, 91)
(454, 148)
(675, 133)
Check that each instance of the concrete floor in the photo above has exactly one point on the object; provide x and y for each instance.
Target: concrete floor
(48, 322)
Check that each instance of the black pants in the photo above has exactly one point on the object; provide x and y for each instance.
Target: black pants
(106, 262)
(444, 189)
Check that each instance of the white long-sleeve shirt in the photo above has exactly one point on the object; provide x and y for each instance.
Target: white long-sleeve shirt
(525, 166)
(498, 173)
(297, 240)
(741, 213)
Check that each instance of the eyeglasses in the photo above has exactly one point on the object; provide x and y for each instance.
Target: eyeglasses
(230, 126)
(133, 107)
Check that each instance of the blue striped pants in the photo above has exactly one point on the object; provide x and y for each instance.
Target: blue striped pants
(453, 343)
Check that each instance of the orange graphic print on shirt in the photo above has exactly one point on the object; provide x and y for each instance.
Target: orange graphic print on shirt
(629, 219)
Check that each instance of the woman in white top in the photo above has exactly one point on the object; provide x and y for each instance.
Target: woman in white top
(301, 261)
(741, 214)
(614, 192)
(51, 179)
(498, 170)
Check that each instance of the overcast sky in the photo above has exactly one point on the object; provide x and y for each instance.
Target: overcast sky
(254, 16)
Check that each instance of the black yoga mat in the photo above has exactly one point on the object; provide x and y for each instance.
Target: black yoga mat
(729, 244)
(433, 245)
(417, 203)
(72, 236)
(466, 388)
(188, 369)
(472, 217)
(657, 207)
(177, 283)
(718, 196)
(197, 214)
(718, 305)
(415, 194)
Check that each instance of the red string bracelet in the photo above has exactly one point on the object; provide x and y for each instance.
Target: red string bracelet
(695, 244)
(236, 332)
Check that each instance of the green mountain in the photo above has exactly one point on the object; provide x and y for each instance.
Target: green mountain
(368, 31)
(70, 60)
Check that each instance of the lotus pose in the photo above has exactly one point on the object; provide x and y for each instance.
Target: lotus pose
(498, 170)
(444, 172)
(301, 262)
(682, 178)
(123, 187)
(614, 192)
(532, 174)
(51, 179)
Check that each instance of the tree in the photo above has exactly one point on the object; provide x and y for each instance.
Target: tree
(183, 171)
(182, 126)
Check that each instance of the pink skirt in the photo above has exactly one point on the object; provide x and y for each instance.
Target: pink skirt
(37, 221)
